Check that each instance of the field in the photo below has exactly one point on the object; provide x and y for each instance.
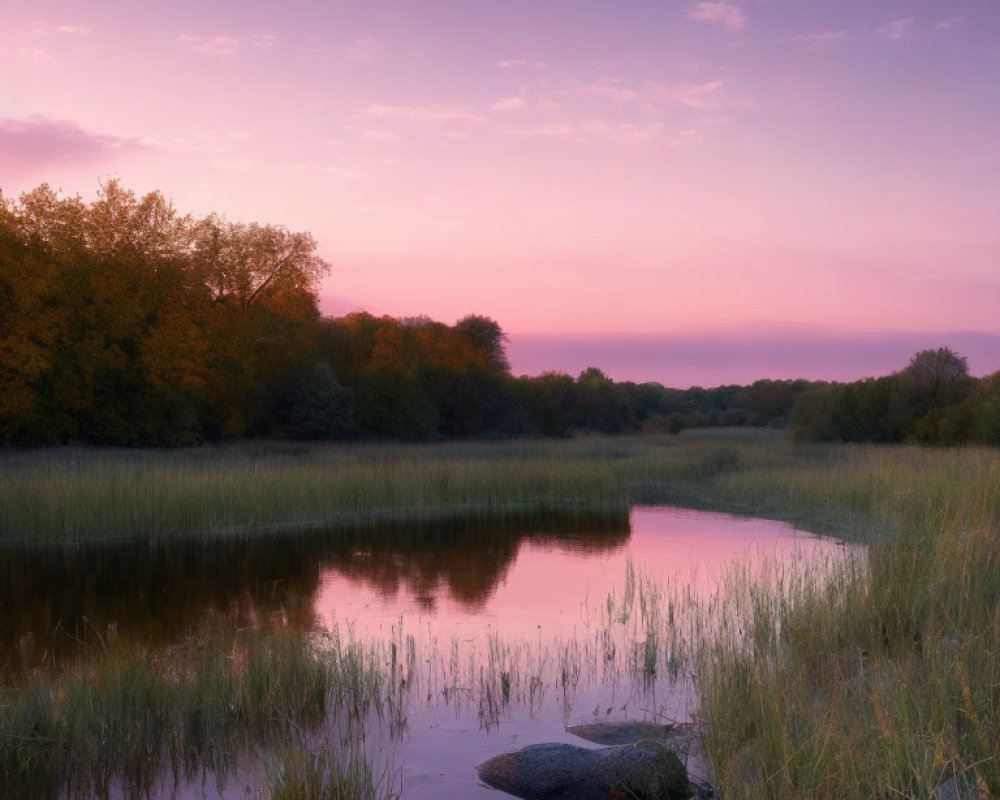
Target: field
(882, 679)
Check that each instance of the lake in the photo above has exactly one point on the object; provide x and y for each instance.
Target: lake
(497, 636)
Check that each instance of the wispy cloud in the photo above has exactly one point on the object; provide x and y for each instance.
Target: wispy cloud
(37, 144)
(44, 29)
(611, 90)
(214, 46)
(436, 113)
(552, 130)
(626, 133)
(724, 13)
(701, 96)
(509, 104)
(233, 164)
(897, 29)
(226, 45)
(948, 24)
(381, 136)
(262, 41)
(513, 63)
(33, 55)
(819, 37)
(363, 50)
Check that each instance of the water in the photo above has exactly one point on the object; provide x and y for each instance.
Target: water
(455, 608)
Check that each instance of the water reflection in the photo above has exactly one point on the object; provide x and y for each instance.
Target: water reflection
(59, 605)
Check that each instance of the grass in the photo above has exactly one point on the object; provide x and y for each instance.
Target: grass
(874, 678)
(878, 678)
(78, 496)
(140, 721)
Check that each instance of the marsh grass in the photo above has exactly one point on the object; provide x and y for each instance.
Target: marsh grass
(80, 496)
(325, 773)
(131, 720)
(871, 678)
(868, 678)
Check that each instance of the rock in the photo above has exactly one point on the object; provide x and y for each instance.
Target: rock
(647, 771)
(623, 732)
(680, 737)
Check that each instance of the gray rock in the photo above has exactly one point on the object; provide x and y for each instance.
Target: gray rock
(648, 771)
(681, 737)
(627, 732)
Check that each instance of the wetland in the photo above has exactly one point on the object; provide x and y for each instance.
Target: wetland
(409, 627)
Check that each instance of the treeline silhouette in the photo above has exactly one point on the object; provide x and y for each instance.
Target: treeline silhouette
(933, 400)
(124, 322)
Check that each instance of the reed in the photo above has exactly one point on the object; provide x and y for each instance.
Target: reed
(870, 678)
(875, 677)
(137, 723)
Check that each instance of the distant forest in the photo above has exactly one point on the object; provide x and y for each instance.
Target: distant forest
(123, 322)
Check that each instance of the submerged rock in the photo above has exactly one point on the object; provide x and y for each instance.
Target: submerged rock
(626, 732)
(647, 771)
(682, 738)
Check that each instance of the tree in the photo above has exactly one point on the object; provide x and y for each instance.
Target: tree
(487, 338)
(939, 375)
(243, 263)
(319, 406)
(934, 379)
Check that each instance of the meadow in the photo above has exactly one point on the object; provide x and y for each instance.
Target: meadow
(878, 678)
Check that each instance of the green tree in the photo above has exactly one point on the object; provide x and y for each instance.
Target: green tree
(488, 339)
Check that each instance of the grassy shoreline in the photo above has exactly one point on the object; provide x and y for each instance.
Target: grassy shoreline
(883, 680)
(79, 496)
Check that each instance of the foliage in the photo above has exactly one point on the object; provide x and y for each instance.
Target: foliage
(932, 401)
(124, 322)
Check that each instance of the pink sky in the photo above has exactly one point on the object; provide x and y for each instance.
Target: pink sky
(567, 167)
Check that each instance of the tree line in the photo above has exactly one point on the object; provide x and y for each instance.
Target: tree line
(124, 322)
(933, 400)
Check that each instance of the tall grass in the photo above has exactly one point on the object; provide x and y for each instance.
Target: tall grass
(140, 722)
(871, 678)
(75, 496)
(878, 678)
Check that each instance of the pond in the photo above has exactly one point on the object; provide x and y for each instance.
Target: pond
(501, 635)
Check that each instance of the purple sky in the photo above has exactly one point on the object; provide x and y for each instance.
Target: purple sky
(665, 171)
(683, 360)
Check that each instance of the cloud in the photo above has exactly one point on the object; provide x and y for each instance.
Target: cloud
(610, 90)
(363, 50)
(897, 29)
(435, 113)
(233, 164)
(701, 96)
(216, 46)
(262, 41)
(34, 55)
(819, 37)
(37, 145)
(553, 130)
(630, 133)
(381, 136)
(509, 104)
(948, 24)
(721, 12)
(45, 29)
(513, 63)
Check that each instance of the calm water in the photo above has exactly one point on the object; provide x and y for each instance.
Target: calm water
(455, 607)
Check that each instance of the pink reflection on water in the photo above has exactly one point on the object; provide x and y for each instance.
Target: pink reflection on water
(551, 588)
(553, 591)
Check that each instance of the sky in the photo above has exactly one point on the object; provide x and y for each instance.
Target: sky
(765, 172)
